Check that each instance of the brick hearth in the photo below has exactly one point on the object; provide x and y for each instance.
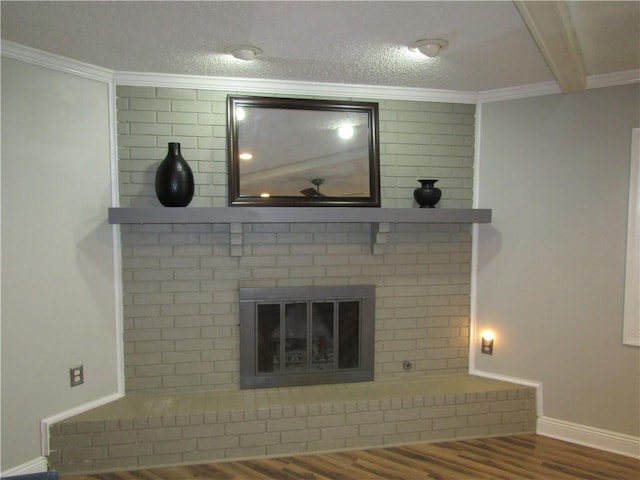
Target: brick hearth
(152, 430)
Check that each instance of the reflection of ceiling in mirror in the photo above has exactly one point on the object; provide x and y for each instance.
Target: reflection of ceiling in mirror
(292, 147)
(344, 178)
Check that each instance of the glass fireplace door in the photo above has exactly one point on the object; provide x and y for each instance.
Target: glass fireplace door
(295, 341)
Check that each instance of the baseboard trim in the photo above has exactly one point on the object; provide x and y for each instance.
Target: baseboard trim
(619, 443)
(606, 440)
(45, 423)
(37, 465)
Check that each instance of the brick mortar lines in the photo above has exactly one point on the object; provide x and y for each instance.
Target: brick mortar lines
(181, 310)
(417, 139)
(287, 430)
(180, 282)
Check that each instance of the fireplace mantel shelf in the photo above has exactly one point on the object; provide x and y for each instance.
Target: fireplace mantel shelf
(379, 218)
(297, 215)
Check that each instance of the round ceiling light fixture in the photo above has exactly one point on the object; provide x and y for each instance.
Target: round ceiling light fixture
(430, 47)
(243, 52)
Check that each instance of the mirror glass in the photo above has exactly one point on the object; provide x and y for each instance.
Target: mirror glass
(301, 152)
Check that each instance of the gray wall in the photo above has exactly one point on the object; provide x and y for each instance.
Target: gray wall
(181, 283)
(551, 266)
(58, 306)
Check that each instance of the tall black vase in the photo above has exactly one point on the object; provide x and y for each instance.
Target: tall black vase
(174, 179)
(427, 195)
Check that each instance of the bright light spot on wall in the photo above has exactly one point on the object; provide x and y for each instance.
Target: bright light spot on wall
(240, 113)
(265, 195)
(488, 335)
(245, 156)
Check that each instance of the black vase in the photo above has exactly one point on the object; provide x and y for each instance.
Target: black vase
(427, 195)
(174, 179)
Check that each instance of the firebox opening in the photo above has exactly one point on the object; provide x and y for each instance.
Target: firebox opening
(306, 335)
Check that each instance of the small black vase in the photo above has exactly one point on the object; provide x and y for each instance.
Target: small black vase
(174, 179)
(427, 195)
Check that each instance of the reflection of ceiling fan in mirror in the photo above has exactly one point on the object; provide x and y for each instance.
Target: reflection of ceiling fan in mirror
(313, 192)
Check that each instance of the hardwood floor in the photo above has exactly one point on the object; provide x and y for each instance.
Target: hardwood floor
(509, 458)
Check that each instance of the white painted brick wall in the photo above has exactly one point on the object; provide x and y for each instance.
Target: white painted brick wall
(181, 284)
(417, 139)
(181, 304)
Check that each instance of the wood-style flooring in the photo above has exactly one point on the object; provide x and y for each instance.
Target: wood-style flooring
(510, 458)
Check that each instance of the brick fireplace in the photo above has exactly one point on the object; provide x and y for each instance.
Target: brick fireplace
(181, 283)
(181, 296)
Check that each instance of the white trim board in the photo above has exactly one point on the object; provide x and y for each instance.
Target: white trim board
(593, 437)
(613, 79)
(550, 26)
(552, 88)
(283, 87)
(45, 423)
(619, 443)
(37, 465)
(117, 246)
(57, 62)
(631, 322)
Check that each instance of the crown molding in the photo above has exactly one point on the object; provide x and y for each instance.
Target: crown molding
(613, 79)
(259, 85)
(253, 85)
(522, 91)
(550, 88)
(248, 85)
(55, 62)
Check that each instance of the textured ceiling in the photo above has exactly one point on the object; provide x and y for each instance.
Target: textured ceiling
(362, 42)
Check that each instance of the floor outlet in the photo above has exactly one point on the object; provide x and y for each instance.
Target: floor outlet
(76, 374)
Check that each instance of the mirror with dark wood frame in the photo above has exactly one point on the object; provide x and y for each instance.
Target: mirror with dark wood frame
(302, 152)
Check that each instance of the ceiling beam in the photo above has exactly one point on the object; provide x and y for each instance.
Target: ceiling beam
(550, 26)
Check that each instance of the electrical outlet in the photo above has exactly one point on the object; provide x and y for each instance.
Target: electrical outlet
(76, 375)
(487, 346)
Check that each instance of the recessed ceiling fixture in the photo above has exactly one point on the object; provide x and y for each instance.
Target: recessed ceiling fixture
(430, 47)
(243, 52)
